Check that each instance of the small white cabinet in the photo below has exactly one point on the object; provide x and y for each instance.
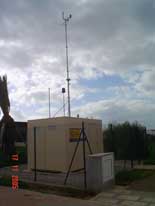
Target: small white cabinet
(100, 171)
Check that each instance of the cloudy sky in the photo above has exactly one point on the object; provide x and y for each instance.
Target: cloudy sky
(111, 58)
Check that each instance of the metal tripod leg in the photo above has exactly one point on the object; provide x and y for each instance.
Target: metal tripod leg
(68, 172)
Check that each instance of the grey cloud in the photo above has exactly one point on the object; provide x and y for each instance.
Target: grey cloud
(146, 83)
(110, 35)
(94, 26)
(120, 110)
(140, 55)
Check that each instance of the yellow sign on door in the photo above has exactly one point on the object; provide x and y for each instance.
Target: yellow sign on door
(74, 134)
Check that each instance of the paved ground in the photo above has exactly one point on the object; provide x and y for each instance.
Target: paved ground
(29, 198)
(119, 196)
(74, 179)
(114, 197)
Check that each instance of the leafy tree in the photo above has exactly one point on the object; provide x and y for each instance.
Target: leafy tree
(127, 141)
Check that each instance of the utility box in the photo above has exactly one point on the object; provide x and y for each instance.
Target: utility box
(100, 171)
(56, 139)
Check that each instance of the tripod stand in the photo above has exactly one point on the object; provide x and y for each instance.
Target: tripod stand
(84, 138)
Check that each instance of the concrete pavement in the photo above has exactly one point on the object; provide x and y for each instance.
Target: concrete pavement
(21, 197)
(121, 196)
(117, 196)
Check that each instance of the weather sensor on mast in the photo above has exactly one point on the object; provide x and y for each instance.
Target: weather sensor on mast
(66, 20)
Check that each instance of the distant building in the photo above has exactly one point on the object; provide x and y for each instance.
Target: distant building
(151, 132)
(21, 128)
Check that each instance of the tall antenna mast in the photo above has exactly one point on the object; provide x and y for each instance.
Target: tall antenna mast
(66, 20)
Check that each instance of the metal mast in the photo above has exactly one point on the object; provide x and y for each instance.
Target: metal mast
(66, 20)
(49, 101)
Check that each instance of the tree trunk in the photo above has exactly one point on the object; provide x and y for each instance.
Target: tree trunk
(9, 136)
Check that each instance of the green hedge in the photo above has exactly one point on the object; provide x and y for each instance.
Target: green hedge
(126, 177)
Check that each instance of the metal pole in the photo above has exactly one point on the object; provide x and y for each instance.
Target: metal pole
(90, 150)
(84, 156)
(64, 104)
(70, 166)
(68, 79)
(49, 97)
(35, 156)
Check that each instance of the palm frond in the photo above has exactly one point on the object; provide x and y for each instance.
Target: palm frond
(4, 97)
